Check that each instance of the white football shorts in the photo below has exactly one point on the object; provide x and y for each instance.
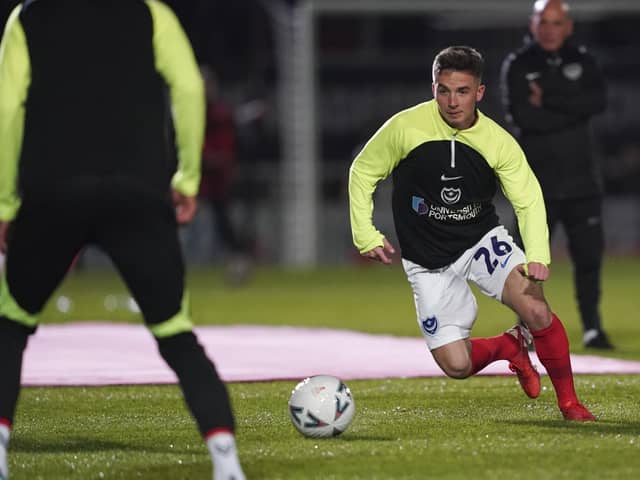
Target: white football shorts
(445, 305)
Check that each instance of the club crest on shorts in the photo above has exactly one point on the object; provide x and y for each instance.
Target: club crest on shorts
(430, 325)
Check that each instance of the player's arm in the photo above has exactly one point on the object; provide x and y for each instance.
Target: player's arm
(15, 77)
(176, 62)
(522, 189)
(375, 162)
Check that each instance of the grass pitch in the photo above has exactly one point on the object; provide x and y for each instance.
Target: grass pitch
(482, 427)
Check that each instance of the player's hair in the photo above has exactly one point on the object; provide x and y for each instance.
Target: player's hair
(460, 59)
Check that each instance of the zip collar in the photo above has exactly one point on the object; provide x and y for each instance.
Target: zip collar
(448, 128)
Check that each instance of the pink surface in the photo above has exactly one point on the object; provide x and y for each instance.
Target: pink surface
(112, 354)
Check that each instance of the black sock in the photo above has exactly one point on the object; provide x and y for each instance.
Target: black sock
(13, 340)
(204, 392)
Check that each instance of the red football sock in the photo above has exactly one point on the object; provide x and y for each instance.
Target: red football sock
(487, 350)
(552, 347)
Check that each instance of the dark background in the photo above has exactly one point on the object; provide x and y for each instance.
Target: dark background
(374, 65)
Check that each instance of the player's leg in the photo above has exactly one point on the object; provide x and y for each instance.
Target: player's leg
(526, 298)
(489, 264)
(553, 218)
(144, 246)
(43, 241)
(583, 222)
(463, 358)
(454, 358)
(446, 310)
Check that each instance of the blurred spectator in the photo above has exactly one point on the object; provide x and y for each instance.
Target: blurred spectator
(219, 168)
(552, 89)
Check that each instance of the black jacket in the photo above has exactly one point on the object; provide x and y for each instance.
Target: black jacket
(96, 103)
(556, 137)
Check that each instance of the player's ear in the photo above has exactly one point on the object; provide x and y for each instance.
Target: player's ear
(480, 92)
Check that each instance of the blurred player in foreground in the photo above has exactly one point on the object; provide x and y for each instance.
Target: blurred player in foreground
(85, 160)
(446, 159)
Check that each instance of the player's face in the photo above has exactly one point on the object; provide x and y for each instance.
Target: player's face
(551, 26)
(457, 94)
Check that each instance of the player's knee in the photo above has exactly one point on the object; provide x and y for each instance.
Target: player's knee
(536, 314)
(457, 370)
(454, 359)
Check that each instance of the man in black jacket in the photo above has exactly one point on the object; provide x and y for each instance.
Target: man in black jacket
(551, 89)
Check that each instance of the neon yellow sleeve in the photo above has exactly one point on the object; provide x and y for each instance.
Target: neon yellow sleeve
(522, 189)
(374, 163)
(176, 62)
(15, 76)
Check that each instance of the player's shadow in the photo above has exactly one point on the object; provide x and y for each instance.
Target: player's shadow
(603, 426)
(21, 444)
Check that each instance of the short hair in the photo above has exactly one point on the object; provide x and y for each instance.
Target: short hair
(460, 59)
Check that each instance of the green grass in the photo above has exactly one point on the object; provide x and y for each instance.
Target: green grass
(483, 427)
(480, 428)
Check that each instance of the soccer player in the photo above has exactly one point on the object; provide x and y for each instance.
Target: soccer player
(446, 159)
(551, 90)
(84, 111)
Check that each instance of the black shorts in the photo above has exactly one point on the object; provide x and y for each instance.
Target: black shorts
(134, 225)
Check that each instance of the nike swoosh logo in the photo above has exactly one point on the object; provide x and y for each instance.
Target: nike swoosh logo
(444, 178)
(505, 261)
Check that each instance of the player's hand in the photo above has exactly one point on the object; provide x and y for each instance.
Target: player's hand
(538, 272)
(379, 254)
(535, 97)
(185, 206)
(4, 229)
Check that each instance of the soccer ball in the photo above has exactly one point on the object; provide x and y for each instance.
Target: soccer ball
(321, 406)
